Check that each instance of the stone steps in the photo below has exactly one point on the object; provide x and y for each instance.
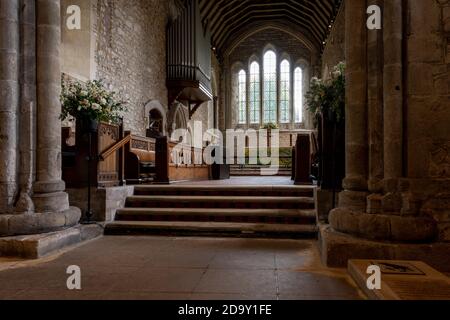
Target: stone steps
(257, 173)
(236, 191)
(215, 229)
(218, 210)
(287, 216)
(255, 170)
(214, 202)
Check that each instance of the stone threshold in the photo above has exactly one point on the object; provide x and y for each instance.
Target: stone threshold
(41, 245)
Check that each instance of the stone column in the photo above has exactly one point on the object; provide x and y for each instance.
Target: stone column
(27, 126)
(393, 104)
(375, 115)
(9, 100)
(355, 183)
(49, 188)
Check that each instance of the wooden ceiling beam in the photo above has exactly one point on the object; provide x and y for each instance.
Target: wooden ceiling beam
(295, 11)
(226, 17)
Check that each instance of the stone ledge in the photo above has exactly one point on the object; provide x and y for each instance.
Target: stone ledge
(338, 248)
(35, 223)
(40, 245)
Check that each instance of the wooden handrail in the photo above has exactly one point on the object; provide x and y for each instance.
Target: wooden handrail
(120, 144)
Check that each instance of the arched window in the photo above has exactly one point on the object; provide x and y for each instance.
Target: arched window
(255, 93)
(298, 95)
(242, 97)
(285, 91)
(270, 87)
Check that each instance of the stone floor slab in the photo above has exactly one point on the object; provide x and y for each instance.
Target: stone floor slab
(165, 268)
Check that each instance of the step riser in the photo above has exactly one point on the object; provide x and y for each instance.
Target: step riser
(203, 218)
(116, 231)
(218, 205)
(230, 193)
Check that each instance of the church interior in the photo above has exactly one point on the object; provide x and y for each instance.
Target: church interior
(224, 150)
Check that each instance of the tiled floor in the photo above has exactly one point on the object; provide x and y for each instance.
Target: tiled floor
(181, 268)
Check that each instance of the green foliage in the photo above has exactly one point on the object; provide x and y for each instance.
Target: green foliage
(327, 98)
(90, 100)
(271, 126)
(284, 160)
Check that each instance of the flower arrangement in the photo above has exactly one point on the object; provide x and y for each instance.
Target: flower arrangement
(90, 100)
(327, 97)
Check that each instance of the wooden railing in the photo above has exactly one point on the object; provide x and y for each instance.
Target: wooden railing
(114, 148)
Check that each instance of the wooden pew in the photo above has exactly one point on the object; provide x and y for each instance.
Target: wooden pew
(140, 160)
(177, 162)
(149, 160)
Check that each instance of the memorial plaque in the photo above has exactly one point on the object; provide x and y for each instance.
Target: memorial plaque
(403, 268)
(401, 280)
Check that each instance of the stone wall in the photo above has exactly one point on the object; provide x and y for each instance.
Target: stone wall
(283, 43)
(78, 46)
(131, 53)
(334, 51)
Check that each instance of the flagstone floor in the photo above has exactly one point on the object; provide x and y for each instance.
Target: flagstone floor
(159, 268)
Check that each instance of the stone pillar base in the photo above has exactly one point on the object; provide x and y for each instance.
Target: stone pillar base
(420, 229)
(49, 196)
(338, 248)
(51, 202)
(355, 200)
(35, 223)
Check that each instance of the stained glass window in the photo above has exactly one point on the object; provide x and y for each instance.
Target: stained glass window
(285, 91)
(242, 99)
(270, 87)
(298, 95)
(255, 93)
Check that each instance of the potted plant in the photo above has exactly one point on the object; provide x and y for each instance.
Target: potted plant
(90, 103)
(326, 101)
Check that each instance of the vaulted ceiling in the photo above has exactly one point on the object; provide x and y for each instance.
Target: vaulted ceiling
(228, 18)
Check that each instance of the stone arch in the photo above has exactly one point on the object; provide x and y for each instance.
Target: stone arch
(157, 107)
(254, 58)
(270, 47)
(285, 56)
(178, 118)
